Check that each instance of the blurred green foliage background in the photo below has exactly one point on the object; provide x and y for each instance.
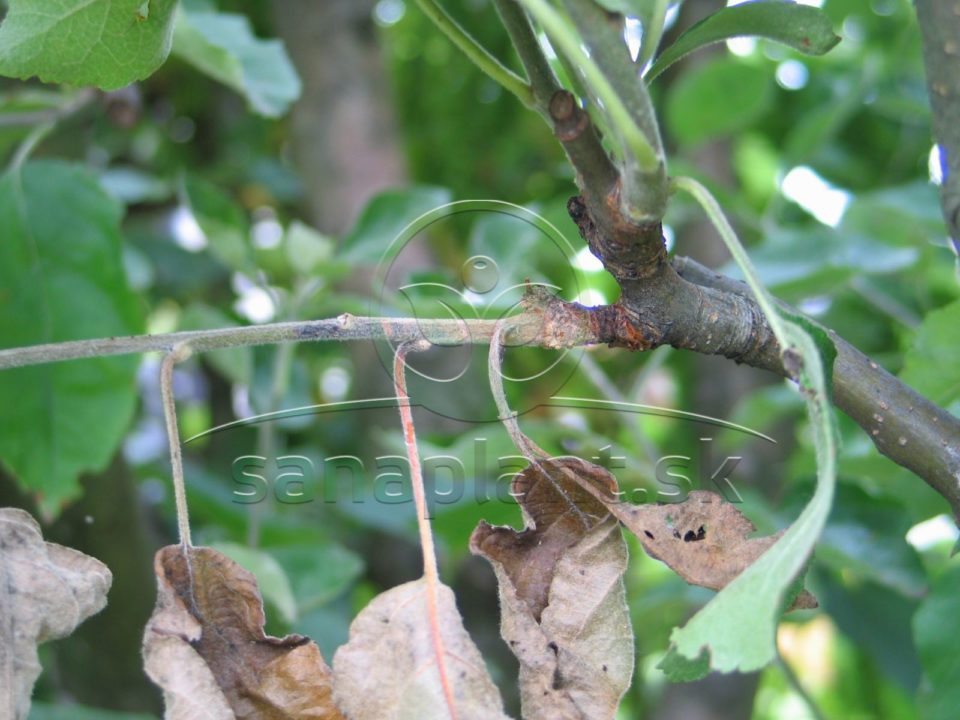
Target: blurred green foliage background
(232, 217)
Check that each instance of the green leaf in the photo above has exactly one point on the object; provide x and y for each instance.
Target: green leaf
(932, 364)
(106, 43)
(936, 627)
(717, 98)
(223, 222)
(802, 27)
(385, 217)
(633, 8)
(308, 251)
(271, 577)
(801, 263)
(223, 46)
(319, 572)
(61, 278)
(866, 537)
(876, 618)
(235, 364)
(49, 711)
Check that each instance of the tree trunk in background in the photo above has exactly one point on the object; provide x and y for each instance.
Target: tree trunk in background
(343, 133)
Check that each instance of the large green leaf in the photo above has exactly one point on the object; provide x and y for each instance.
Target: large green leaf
(61, 278)
(107, 43)
(717, 98)
(803, 28)
(932, 364)
(936, 627)
(223, 46)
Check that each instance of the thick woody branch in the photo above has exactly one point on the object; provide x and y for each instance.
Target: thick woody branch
(940, 30)
(905, 426)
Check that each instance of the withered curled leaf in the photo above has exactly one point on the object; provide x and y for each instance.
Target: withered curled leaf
(205, 646)
(704, 539)
(563, 604)
(388, 670)
(46, 590)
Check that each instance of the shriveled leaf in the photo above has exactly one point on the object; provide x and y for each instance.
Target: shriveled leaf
(46, 591)
(268, 574)
(205, 646)
(389, 670)
(62, 278)
(935, 628)
(223, 46)
(704, 539)
(562, 597)
(802, 27)
(107, 43)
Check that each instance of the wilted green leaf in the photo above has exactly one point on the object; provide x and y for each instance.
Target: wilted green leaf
(62, 278)
(107, 43)
(738, 627)
(385, 216)
(932, 364)
(802, 27)
(935, 629)
(717, 98)
(223, 46)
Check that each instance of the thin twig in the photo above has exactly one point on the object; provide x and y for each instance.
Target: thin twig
(528, 447)
(343, 328)
(565, 39)
(431, 574)
(177, 354)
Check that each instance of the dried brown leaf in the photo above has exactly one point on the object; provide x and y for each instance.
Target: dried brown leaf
(46, 590)
(205, 646)
(704, 539)
(388, 668)
(563, 603)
